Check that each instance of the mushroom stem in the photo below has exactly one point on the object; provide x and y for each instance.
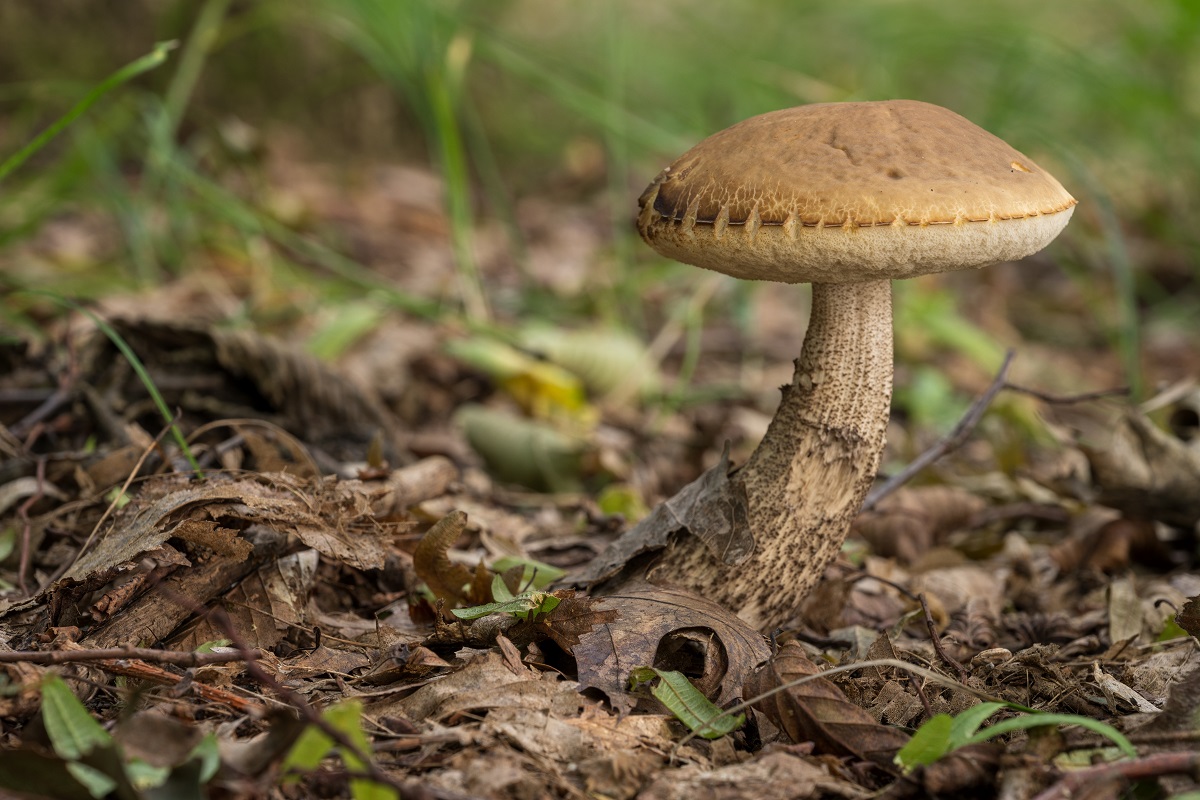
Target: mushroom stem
(807, 479)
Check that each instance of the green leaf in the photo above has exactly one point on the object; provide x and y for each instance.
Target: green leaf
(72, 731)
(314, 745)
(97, 783)
(537, 575)
(8, 543)
(347, 718)
(1171, 630)
(521, 450)
(928, 744)
(524, 606)
(144, 775)
(500, 592)
(967, 722)
(307, 752)
(543, 389)
(688, 705)
(208, 752)
(1037, 720)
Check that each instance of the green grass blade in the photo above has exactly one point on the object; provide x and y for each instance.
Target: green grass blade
(139, 368)
(125, 74)
(967, 723)
(1038, 720)
(191, 61)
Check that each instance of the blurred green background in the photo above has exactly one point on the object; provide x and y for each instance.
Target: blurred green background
(536, 121)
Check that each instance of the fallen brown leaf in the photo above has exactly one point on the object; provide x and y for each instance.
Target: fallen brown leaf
(646, 617)
(711, 508)
(432, 564)
(818, 711)
(906, 524)
(772, 776)
(1147, 473)
(1188, 617)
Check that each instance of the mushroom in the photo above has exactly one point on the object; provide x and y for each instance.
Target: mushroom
(846, 196)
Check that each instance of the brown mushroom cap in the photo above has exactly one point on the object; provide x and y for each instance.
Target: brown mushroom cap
(848, 192)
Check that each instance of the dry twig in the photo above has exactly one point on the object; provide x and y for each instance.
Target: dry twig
(952, 441)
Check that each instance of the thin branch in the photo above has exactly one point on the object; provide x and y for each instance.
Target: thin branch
(1068, 399)
(1152, 766)
(954, 440)
(963, 673)
(149, 673)
(50, 405)
(27, 525)
(174, 657)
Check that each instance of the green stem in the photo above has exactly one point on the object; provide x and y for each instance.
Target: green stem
(123, 75)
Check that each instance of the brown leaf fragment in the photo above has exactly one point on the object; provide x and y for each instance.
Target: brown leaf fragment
(818, 711)
(774, 775)
(263, 607)
(908, 523)
(711, 508)
(223, 541)
(512, 655)
(1112, 547)
(487, 683)
(646, 617)
(575, 617)
(154, 615)
(416, 483)
(156, 738)
(417, 663)
(1188, 617)
(24, 696)
(432, 562)
(1181, 711)
(619, 774)
(325, 661)
(1146, 473)
(975, 765)
(333, 517)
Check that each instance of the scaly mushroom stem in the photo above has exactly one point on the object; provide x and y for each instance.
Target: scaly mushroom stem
(808, 477)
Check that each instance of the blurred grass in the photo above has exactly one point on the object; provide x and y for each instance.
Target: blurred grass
(498, 96)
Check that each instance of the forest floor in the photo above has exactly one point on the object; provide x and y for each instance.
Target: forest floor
(274, 618)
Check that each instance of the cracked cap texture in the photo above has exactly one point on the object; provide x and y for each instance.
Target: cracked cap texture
(847, 192)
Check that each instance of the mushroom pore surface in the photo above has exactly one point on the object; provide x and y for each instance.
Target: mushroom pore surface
(846, 196)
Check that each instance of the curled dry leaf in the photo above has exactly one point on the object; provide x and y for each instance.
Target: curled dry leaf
(1188, 617)
(1147, 473)
(1111, 547)
(818, 711)
(247, 371)
(432, 562)
(711, 508)
(966, 768)
(333, 517)
(661, 627)
(906, 524)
